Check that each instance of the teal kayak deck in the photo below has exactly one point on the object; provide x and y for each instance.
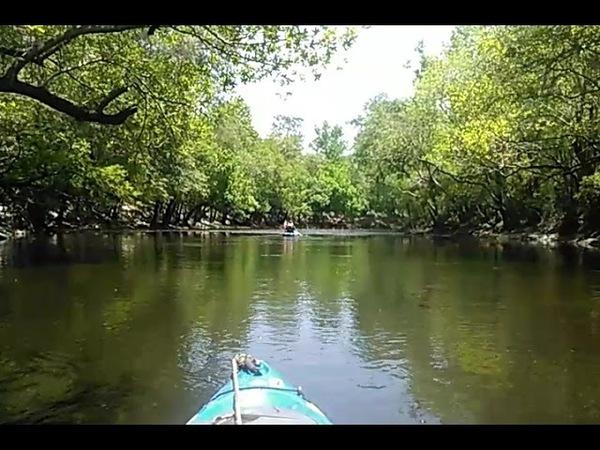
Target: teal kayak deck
(265, 397)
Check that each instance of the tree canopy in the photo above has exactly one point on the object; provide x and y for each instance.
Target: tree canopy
(137, 125)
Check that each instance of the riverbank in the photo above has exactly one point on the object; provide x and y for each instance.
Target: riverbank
(542, 238)
(545, 238)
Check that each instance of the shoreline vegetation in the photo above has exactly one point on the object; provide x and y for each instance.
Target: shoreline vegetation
(542, 238)
(115, 127)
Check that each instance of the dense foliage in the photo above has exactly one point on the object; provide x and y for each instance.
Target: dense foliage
(133, 125)
(136, 125)
(502, 131)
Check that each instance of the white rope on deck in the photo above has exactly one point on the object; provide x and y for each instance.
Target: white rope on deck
(236, 392)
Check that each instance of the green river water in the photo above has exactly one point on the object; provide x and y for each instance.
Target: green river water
(135, 328)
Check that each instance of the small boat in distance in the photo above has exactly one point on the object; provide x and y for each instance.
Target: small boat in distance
(257, 394)
(289, 229)
(291, 233)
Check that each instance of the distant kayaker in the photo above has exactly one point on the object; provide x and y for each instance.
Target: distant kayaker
(288, 225)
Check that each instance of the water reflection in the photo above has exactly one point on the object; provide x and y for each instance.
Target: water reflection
(379, 329)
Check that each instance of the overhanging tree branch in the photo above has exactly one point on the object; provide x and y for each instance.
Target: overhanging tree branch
(37, 53)
(57, 103)
(110, 97)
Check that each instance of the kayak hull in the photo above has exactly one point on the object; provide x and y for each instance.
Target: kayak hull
(264, 398)
(294, 233)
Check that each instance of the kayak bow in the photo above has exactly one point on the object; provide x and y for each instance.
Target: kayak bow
(257, 394)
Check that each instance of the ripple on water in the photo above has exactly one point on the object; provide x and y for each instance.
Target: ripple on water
(438, 359)
(274, 323)
(396, 368)
(49, 387)
(382, 353)
(201, 360)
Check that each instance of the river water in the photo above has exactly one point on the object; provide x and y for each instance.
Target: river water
(376, 329)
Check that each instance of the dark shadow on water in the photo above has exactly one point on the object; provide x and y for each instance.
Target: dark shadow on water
(62, 392)
(520, 253)
(97, 248)
(100, 402)
(590, 259)
(62, 250)
(564, 256)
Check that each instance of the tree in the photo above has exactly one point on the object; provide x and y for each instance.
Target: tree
(45, 62)
(329, 141)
